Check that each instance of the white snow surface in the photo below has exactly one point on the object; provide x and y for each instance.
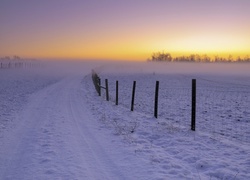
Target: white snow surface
(53, 125)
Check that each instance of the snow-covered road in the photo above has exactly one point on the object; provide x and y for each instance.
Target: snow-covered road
(55, 137)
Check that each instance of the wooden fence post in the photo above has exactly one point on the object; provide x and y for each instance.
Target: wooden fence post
(99, 86)
(193, 111)
(107, 89)
(117, 89)
(94, 79)
(133, 96)
(156, 99)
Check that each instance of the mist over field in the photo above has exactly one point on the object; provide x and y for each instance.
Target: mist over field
(241, 69)
(78, 66)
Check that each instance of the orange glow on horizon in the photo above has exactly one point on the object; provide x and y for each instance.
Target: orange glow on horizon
(131, 49)
(125, 30)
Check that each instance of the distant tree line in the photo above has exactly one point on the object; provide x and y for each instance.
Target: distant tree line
(9, 58)
(166, 57)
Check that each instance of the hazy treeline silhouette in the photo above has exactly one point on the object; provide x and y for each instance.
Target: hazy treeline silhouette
(167, 57)
(14, 58)
(7, 58)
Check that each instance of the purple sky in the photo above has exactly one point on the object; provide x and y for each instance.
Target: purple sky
(122, 29)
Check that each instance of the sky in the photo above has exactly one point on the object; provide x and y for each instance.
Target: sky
(123, 29)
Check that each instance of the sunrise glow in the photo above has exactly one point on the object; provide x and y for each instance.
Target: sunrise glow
(123, 30)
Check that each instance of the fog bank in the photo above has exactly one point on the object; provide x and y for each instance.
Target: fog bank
(175, 68)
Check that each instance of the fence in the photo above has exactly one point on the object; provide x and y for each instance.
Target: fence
(12, 65)
(97, 83)
(223, 107)
(215, 107)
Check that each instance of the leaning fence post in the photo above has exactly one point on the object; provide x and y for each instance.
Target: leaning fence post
(133, 96)
(156, 99)
(107, 89)
(116, 99)
(193, 111)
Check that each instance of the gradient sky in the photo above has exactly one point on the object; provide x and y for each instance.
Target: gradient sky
(123, 29)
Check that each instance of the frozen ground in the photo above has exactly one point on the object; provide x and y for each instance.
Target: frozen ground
(54, 126)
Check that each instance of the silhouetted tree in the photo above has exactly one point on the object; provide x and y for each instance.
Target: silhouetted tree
(161, 56)
(166, 57)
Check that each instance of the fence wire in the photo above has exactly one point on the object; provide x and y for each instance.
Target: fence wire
(222, 107)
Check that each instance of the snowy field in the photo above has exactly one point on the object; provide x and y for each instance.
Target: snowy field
(53, 125)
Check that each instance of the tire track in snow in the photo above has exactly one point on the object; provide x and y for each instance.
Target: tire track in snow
(54, 139)
(19, 150)
(98, 159)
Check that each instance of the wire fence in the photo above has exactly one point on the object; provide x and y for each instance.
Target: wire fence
(223, 109)
(17, 64)
(222, 105)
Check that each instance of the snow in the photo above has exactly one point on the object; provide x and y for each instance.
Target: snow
(53, 125)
